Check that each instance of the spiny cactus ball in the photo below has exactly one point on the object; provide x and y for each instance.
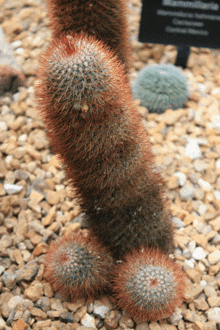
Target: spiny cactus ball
(76, 74)
(160, 87)
(148, 285)
(78, 266)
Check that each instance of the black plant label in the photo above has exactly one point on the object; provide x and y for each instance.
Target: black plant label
(181, 22)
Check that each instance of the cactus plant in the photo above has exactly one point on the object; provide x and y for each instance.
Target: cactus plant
(94, 127)
(148, 285)
(105, 19)
(100, 137)
(160, 87)
(78, 266)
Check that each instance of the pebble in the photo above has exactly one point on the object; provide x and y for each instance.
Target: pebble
(178, 222)
(14, 301)
(9, 280)
(34, 291)
(213, 314)
(193, 150)
(27, 272)
(182, 178)
(12, 189)
(214, 257)
(187, 192)
(88, 321)
(199, 253)
(99, 309)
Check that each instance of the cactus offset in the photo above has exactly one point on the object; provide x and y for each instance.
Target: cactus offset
(148, 285)
(104, 19)
(78, 266)
(94, 127)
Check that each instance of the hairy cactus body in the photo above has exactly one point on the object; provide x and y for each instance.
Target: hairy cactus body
(161, 87)
(78, 266)
(99, 135)
(104, 19)
(148, 285)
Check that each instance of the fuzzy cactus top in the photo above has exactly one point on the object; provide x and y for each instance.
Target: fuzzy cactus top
(93, 126)
(161, 87)
(105, 19)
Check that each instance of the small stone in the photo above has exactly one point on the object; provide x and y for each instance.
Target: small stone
(205, 185)
(3, 126)
(38, 312)
(167, 327)
(2, 324)
(88, 321)
(36, 196)
(193, 150)
(210, 291)
(142, 326)
(201, 304)
(8, 280)
(182, 178)
(194, 275)
(80, 313)
(126, 322)
(34, 292)
(173, 182)
(111, 320)
(14, 301)
(211, 325)
(20, 325)
(40, 249)
(52, 197)
(213, 314)
(27, 272)
(214, 257)
(12, 189)
(50, 217)
(44, 303)
(187, 192)
(178, 223)
(48, 291)
(197, 325)
(199, 253)
(154, 326)
(99, 309)
(214, 301)
(193, 290)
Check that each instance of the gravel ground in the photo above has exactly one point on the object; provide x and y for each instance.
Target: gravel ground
(37, 205)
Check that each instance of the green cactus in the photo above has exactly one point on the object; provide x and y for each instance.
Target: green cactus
(160, 87)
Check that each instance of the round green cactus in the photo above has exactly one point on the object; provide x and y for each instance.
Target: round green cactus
(160, 87)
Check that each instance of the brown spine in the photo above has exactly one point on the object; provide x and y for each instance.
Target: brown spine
(99, 135)
(104, 19)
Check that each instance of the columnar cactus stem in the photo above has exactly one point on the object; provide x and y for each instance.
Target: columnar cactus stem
(104, 19)
(94, 127)
(99, 135)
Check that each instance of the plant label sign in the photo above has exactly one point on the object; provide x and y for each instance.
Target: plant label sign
(181, 22)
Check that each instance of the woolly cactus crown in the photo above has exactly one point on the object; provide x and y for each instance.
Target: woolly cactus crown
(148, 284)
(78, 266)
(161, 87)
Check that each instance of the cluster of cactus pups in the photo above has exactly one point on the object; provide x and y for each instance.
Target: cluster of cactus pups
(95, 129)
